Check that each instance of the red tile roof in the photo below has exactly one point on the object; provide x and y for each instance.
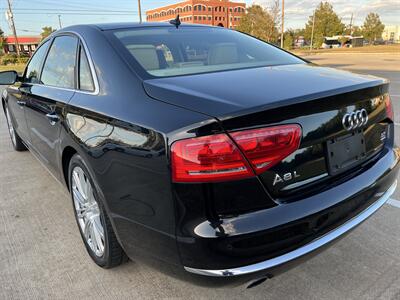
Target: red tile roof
(23, 39)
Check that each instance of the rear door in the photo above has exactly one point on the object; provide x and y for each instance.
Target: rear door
(46, 100)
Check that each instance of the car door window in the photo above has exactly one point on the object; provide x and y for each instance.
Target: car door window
(59, 67)
(85, 76)
(33, 69)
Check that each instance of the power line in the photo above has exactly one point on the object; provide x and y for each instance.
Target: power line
(74, 5)
(76, 14)
(72, 10)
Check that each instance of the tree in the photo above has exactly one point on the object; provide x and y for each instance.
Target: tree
(289, 38)
(327, 23)
(259, 23)
(373, 27)
(46, 31)
(2, 41)
(353, 30)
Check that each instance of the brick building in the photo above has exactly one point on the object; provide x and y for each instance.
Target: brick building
(27, 44)
(210, 12)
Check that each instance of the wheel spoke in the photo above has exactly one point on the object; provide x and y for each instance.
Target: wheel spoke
(11, 129)
(78, 196)
(77, 181)
(93, 239)
(87, 211)
(86, 229)
(99, 227)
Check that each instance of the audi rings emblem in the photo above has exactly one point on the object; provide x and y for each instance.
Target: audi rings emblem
(355, 119)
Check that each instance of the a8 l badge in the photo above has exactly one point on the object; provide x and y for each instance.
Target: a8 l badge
(285, 177)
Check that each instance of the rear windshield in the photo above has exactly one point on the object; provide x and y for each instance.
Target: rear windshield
(167, 51)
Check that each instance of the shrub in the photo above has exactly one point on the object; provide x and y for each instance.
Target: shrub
(8, 59)
(23, 59)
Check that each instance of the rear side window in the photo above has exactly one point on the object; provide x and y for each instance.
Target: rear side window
(33, 69)
(85, 76)
(59, 68)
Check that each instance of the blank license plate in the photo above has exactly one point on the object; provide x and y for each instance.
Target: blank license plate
(345, 152)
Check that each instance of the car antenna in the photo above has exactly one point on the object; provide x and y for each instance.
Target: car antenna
(176, 22)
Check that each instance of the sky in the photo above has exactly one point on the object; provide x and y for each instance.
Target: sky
(31, 15)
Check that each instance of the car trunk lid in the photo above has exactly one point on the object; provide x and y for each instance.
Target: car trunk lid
(316, 98)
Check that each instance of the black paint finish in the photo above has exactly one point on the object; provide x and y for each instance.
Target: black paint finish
(125, 129)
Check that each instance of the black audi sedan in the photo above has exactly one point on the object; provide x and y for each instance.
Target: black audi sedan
(201, 148)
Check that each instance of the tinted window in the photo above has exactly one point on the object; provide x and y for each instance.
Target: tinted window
(85, 76)
(198, 50)
(33, 68)
(59, 68)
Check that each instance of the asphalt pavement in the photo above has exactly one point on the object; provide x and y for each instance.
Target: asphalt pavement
(42, 256)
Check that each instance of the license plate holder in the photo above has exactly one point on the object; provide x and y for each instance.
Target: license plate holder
(345, 152)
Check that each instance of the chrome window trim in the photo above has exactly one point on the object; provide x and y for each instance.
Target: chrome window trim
(91, 66)
(308, 248)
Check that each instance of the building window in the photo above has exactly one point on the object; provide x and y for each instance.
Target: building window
(11, 48)
(209, 18)
(195, 8)
(230, 9)
(26, 48)
(33, 47)
(195, 18)
(209, 8)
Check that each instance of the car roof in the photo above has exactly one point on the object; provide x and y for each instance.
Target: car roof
(124, 25)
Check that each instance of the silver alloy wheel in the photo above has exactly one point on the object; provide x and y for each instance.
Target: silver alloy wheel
(87, 211)
(11, 129)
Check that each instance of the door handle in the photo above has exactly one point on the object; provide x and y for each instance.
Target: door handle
(21, 103)
(53, 118)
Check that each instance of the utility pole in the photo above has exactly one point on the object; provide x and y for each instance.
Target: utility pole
(13, 27)
(140, 11)
(312, 31)
(283, 22)
(59, 21)
(351, 24)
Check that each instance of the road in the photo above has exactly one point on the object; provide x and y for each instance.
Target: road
(42, 256)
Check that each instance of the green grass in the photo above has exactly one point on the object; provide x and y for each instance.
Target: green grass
(17, 67)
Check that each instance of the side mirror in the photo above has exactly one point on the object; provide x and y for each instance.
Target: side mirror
(8, 77)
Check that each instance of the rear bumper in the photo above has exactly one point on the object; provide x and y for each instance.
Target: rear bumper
(304, 250)
(269, 241)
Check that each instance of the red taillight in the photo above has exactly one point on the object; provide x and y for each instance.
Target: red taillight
(217, 158)
(389, 107)
(209, 158)
(266, 147)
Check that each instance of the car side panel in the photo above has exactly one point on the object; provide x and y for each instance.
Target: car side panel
(16, 105)
(122, 135)
(44, 134)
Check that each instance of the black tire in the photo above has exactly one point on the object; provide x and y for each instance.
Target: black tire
(113, 253)
(16, 141)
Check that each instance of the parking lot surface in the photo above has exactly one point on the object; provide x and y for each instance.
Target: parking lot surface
(42, 256)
